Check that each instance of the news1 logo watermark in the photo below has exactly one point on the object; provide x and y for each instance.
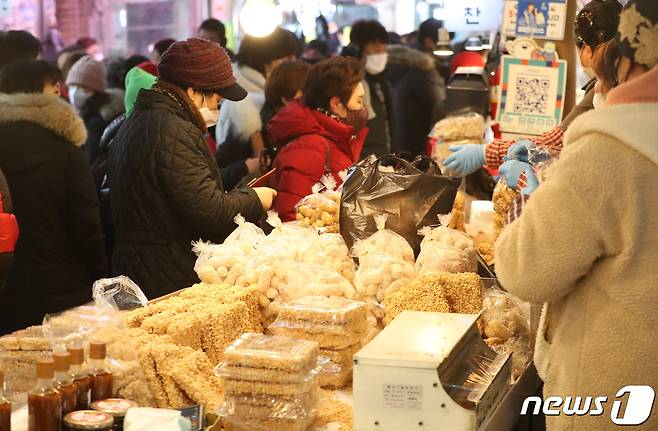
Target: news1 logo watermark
(638, 405)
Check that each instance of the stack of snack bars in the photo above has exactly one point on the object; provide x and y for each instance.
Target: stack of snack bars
(270, 383)
(339, 326)
(19, 352)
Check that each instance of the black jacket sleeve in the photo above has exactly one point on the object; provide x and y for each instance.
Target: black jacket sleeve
(4, 193)
(233, 173)
(95, 127)
(84, 217)
(196, 194)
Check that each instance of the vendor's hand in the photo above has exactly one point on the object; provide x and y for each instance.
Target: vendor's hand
(253, 164)
(519, 151)
(467, 159)
(511, 170)
(266, 196)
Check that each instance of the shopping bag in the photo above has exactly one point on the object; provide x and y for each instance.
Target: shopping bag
(411, 194)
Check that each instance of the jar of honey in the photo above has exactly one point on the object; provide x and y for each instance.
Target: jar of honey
(88, 420)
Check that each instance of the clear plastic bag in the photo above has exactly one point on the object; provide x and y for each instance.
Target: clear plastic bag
(384, 258)
(320, 210)
(267, 351)
(77, 325)
(267, 406)
(446, 250)
(456, 128)
(246, 236)
(219, 263)
(272, 375)
(239, 423)
(503, 199)
(505, 327)
(119, 293)
(542, 158)
(330, 250)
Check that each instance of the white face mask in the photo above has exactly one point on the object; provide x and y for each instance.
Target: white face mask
(78, 96)
(599, 99)
(209, 115)
(376, 63)
(588, 70)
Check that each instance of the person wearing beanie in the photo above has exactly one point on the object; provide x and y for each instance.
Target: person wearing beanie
(238, 133)
(592, 261)
(165, 187)
(60, 251)
(87, 90)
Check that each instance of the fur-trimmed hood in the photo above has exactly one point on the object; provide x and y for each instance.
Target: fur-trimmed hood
(48, 111)
(404, 56)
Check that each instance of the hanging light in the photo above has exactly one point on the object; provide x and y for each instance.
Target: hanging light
(443, 48)
(473, 43)
(259, 17)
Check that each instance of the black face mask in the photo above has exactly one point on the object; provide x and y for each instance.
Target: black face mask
(357, 118)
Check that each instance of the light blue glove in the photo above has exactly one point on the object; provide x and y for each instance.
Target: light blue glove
(511, 170)
(519, 151)
(467, 159)
(531, 182)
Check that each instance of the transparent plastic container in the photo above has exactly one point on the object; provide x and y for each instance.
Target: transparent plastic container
(266, 406)
(328, 337)
(273, 352)
(226, 371)
(239, 423)
(246, 387)
(320, 310)
(336, 380)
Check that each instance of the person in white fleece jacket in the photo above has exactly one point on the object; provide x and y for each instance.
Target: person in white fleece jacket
(586, 245)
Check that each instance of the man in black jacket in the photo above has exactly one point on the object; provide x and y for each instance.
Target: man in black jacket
(165, 186)
(418, 96)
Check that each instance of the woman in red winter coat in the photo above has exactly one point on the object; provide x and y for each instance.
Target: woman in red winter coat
(322, 133)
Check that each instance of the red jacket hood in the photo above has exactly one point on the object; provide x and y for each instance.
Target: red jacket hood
(295, 120)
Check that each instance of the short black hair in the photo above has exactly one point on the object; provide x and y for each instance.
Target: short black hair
(134, 60)
(28, 76)
(162, 45)
(367, 31)
(18, 45)
(429, 28)
(116, 73)
(216, 26)
(256, 52)
(320, 46)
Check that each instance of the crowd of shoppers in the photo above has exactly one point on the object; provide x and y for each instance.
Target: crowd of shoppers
(171, 141)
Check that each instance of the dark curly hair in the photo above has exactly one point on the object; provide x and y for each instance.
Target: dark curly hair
(284, 82)
(334, 77)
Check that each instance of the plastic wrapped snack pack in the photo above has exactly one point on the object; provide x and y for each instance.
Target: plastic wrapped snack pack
(503, 198)
(384, 258)
(505, 326)
(468, 127)
(320, 210)
(246, 236)
(254, 401)
(446, 250)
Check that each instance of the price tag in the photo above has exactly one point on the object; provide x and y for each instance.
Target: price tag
(403, 396)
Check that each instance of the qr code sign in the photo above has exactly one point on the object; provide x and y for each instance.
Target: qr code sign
(531, 96)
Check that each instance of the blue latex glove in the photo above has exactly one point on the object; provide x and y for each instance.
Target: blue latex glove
(511, 170)
(519, 151)
(531, 182)
(467, 159)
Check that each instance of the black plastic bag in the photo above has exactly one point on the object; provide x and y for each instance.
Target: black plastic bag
(412, 194)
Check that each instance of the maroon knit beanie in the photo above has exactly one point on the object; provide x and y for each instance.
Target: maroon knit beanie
(202, 65)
